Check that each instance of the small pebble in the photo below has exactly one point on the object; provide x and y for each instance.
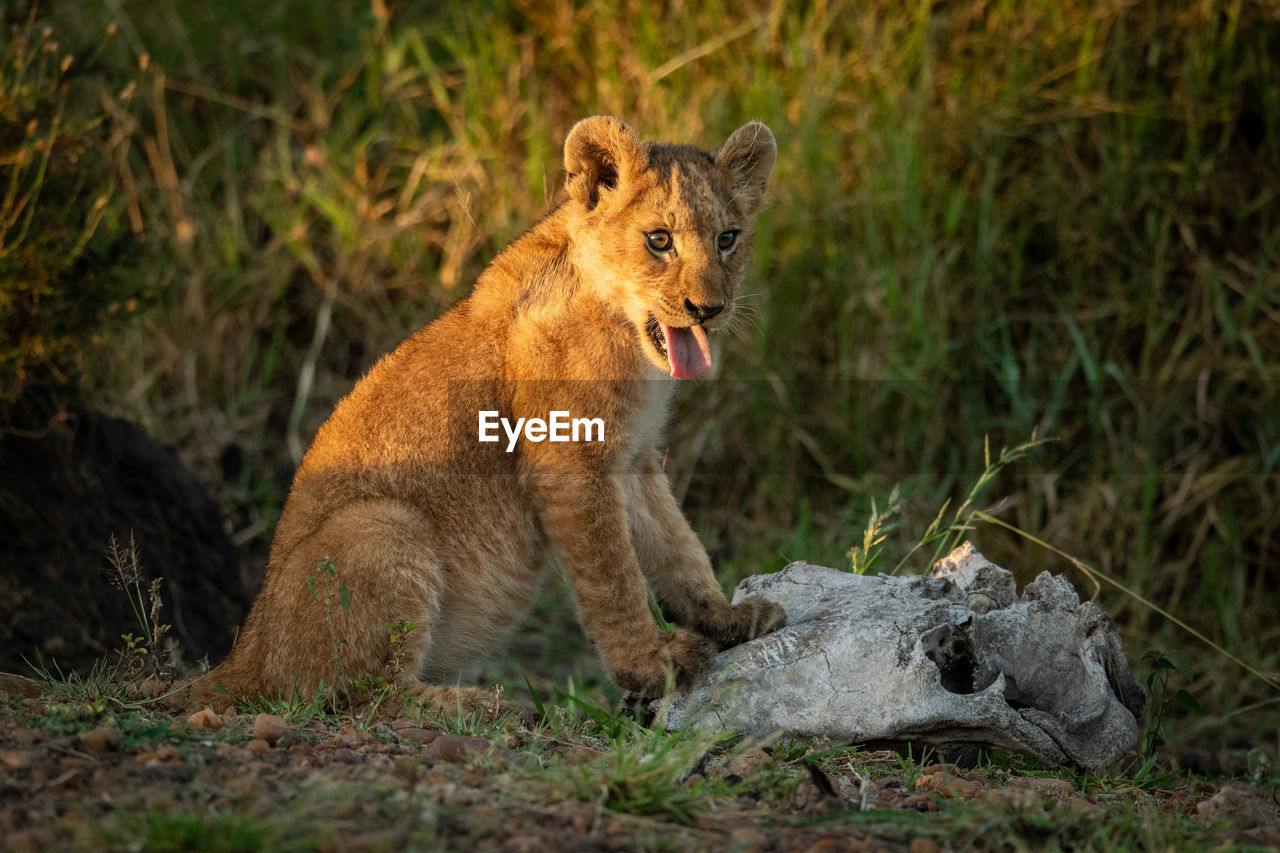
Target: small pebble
(349, 738)
(458, 749)
(167, 753)
(269, 727)
(748, 836)
(1049, 786)
(17, 759)
(100, 741)
(419, 735)
(205, 721)
(747, 763)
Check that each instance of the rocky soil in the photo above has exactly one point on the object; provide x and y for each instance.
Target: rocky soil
(101, 776)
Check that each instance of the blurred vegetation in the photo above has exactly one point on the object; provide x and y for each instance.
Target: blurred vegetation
(989, 219)
(69, 259)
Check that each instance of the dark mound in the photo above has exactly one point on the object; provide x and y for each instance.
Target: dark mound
(69, 480)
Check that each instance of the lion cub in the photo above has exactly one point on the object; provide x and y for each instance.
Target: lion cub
(587, 317)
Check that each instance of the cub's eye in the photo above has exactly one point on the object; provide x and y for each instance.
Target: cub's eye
(726, 240)
(659, 241)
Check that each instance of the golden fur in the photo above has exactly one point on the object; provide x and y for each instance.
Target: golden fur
(424, 523)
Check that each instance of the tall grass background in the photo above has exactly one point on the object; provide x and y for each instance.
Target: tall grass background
(988, 220)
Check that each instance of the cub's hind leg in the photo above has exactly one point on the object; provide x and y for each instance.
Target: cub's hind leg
(359, 599)
(330, 605)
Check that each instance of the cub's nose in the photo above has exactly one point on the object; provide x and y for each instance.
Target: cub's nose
(702, 312)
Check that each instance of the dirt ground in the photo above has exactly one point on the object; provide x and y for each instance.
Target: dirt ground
(90, 776)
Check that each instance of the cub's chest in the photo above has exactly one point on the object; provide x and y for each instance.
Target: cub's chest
(654, 402)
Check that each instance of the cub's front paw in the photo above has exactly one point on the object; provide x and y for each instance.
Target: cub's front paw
(750, 618)
(645, 670)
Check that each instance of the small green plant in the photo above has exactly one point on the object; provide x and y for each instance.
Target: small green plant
(329, 589)
(575, 715)
(322, 704)
(911, 767)
(486, 722)
(397, 633)
(1162, 667)
(946, 536)
(863, 557)
(161, 830)
(648, 771)
(373, 692)
(103, 682)
(143, 655)
(602, 722)
(943, 535)
(664, 624)
(69, 717)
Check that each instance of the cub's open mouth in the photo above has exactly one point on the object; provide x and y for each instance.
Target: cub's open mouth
(654, 330)
(685, 348)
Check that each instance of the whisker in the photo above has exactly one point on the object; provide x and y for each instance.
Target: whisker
(743, 316)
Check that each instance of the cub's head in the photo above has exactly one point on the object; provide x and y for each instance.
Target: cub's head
(663, 231)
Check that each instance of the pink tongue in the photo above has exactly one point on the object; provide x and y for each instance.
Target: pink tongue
(687, 351)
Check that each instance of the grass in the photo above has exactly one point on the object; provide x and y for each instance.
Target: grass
(162, 831)
(587, 775)
(988, 221)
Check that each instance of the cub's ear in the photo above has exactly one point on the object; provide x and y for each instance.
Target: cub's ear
(598, 153)
(749, 154)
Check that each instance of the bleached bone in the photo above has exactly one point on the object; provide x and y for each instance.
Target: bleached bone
(951, 659)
